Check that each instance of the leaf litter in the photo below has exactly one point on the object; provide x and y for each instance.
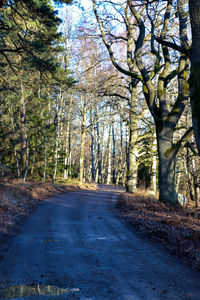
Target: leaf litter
(176, 228)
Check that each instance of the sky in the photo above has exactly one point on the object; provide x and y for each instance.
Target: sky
(75, 10)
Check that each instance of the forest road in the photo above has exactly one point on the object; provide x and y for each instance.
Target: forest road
(76, 241)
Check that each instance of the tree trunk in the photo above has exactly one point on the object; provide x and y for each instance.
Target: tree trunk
(83, 135)
(166, 167)
(194, 9)
(197, 196)
(25, 145)
(92, 155)
(17, 164)
(108, 181)
(114, 153)
(132, 151)
(57, 129)
(23, 127)
(120, 167)
(43, 132)
(68, 141)
(154, 166)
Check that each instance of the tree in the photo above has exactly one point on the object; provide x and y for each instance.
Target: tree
(194, 54)
(155, 78)
(29, 42)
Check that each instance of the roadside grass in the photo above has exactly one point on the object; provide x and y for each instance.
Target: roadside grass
(177, 229)
(18, 199)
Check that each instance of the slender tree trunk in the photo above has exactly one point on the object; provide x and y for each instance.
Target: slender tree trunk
(99, 155)
(92, 147)
(92, 156)
(103, 154)
(24, 132)
(57, 129)
(83, 135)
(120, 168)
(108, 181)
(45, 157)
(15, 151)
(56, 151)
(43, 132)
(23, 128)
(33, 162)
(17, 164)
(68, 141)
(197, 196)
(114, 153)
(2, 169)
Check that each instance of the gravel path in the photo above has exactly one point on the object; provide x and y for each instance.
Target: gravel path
(77, 242)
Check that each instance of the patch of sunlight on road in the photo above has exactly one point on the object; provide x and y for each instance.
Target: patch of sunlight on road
(28, 290)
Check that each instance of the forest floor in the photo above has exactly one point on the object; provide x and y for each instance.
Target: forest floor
(177, 229)
(18, 199)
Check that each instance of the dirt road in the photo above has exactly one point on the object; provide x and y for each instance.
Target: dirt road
(75, 247)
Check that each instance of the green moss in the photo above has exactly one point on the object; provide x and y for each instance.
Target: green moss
(145, 90)
(161, 91)
(175, 110)
(169, 152)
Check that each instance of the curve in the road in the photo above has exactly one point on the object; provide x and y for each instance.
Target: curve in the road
(76, 242)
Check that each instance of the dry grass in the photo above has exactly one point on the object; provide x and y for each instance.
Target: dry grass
(176, 228)
(17, 199)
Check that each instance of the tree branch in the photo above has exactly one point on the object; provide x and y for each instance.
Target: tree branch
(172, 45)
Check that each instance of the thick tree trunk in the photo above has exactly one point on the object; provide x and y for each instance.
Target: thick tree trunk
(132, 152)
(154, 166)
(166, 167)
(195, 69)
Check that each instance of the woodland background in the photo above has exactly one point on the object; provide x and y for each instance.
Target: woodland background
(102, 93)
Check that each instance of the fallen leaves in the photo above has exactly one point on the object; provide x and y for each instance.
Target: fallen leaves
(17, 199)
(177, 229)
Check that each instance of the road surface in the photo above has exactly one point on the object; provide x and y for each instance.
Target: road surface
(76, 247)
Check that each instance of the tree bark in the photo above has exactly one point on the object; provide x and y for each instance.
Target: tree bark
(25, 144)
(114, 154)
(132, 147)
(154, 166)
(194, 9)
(166, 166)
(68, 141)
(92, 148)
(57, 129)
(83, 135)
(108, 181)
